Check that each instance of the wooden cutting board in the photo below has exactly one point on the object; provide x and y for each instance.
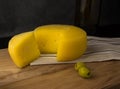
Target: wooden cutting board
(105, 75)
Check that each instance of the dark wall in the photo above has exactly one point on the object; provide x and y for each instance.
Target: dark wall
(17, 16)
(101, 17)
(110, 12)
(109, 19)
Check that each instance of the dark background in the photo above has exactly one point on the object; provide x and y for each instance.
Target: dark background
(101, 17)
(18, 16)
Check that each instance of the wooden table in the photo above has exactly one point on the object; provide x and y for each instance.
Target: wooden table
(106, 75)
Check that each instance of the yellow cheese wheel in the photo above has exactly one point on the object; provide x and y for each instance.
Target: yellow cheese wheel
(67, 41)
(23, 49)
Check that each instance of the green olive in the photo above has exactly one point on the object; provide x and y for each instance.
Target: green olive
(79, 65)
(84, 72)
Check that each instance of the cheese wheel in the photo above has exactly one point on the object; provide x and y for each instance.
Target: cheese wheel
(67, 41)
(23, 49)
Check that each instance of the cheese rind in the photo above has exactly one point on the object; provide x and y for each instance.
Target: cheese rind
(23, 49)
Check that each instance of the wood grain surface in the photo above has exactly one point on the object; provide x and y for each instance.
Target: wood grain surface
(105, 75)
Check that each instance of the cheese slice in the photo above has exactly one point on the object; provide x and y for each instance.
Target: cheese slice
(23, 49)
(67, 41)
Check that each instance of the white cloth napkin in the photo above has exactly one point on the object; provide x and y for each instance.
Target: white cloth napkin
(99, 49)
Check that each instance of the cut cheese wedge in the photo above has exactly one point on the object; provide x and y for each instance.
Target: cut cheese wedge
(23, 49)
(67, 41)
